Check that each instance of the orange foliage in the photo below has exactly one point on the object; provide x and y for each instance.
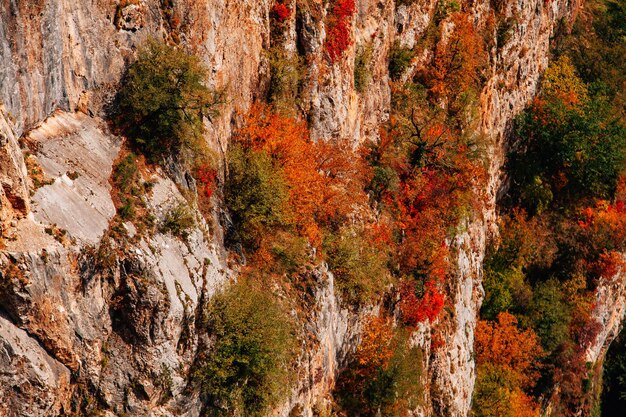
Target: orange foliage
(287, 141)
(523, 405)
(457, 59)
(344, 173)
(502, 343)
(603, 231)
(375, 349)
(325, 179)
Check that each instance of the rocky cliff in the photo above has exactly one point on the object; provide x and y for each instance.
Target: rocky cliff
(78, 331)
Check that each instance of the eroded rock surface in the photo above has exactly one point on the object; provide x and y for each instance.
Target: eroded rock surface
(127, 332)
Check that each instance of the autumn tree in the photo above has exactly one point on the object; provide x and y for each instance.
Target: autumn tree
(504, 344)
(302, 191)
(507, 360)
(425, 176)
(384, 375)
(458, 59)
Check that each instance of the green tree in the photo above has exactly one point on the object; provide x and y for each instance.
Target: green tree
(550, 314)
(571, 153)
(255, 193)
(163, 100)
(358, 263)
(247, 368)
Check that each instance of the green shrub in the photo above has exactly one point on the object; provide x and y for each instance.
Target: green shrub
(130, 190)
(400, 384)
(492, 392)
(255, 193)
(163, 99)
(550, 314)
(505, 291)
(247, 368)
(287, 74)
(359, 266)
(126, 174)
(178, 220)
(399, 60)
(362, 68)
(445, 8)
(573, 153)
(290, 251)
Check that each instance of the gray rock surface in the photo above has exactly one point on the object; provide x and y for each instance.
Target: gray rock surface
(34, 383)
(119, 331)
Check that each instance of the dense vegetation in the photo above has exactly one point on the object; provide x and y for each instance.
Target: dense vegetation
(163, 100)
(382, 216)
(561, 227)
(247, 368)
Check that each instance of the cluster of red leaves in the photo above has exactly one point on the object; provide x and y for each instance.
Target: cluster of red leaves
(416, 309)
(338, 39)
(603, 228)
(280, 12)
(430, 197)
(206, 177)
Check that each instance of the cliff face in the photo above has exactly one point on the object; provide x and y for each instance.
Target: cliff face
(71, 324)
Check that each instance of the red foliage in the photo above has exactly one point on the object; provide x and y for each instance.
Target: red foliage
(207, 176)
(609, 264)
(338, 39)
(280, 12)
(603, 230)
(570, 376)
(416, 309)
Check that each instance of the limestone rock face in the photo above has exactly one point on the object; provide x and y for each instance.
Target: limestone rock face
(609, 311)
(122, 337)
(42, 383)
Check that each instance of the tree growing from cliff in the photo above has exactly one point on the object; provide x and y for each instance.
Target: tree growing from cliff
(507, 360)
(338, 39)
(246, 369)
(163, 100)
(458, 59)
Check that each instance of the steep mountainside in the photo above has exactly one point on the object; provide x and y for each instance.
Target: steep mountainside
(91, 325)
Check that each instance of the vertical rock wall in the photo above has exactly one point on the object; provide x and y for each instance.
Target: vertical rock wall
(66, 55)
